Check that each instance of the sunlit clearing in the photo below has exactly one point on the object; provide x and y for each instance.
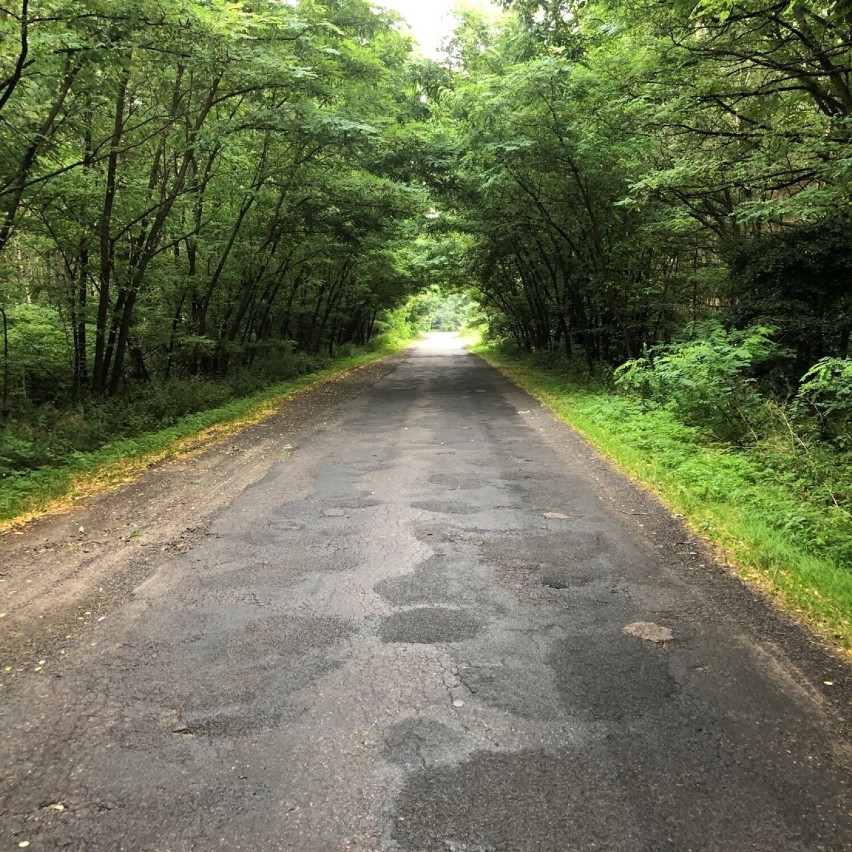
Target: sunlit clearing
(441, 341)
(432, 22)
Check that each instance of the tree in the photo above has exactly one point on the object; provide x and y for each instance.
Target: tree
(191, 181)
(617, 161)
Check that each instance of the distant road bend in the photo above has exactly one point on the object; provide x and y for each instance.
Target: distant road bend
(410, 612)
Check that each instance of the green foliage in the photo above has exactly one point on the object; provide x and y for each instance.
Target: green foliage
(38, 353)
(706, 381)
(628, 169)
(826, 392)
(797, 279)
(47, 435)
(395, 328)
(437, 310)
(278, 222)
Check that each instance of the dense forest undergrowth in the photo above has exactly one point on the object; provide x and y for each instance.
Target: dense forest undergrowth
(651, 202)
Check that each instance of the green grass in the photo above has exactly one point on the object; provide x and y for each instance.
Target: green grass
(795, 547)
(25, 494)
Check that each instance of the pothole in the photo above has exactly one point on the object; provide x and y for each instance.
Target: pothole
(429, 625)
(445, 507)
(649, 631)
(421, 742)
(561, 578)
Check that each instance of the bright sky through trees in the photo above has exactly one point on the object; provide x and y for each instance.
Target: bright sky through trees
(431, 20)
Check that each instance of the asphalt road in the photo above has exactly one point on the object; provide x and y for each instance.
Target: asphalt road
(402, 616)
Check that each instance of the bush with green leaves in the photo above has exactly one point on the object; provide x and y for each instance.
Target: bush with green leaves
(39, 355)
(826, 392)
(706, 381)
(48, 435)
(797, 279)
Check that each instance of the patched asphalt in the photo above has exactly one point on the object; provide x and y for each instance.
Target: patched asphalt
(430, 619)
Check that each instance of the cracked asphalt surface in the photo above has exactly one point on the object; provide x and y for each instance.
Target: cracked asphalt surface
(402, 615)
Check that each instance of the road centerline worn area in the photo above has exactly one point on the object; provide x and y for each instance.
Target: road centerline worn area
(441, 623)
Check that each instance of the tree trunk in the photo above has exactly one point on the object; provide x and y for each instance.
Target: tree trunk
(99, 370)
(4, 407)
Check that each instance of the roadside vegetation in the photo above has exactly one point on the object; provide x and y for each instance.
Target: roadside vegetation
(82, 453)
(198, 202)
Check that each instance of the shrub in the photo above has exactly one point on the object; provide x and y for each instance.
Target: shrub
(39, 357)
(706, 381)
(826, 393)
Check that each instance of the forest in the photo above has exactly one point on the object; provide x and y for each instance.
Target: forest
(196, 200)
(200, 198)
